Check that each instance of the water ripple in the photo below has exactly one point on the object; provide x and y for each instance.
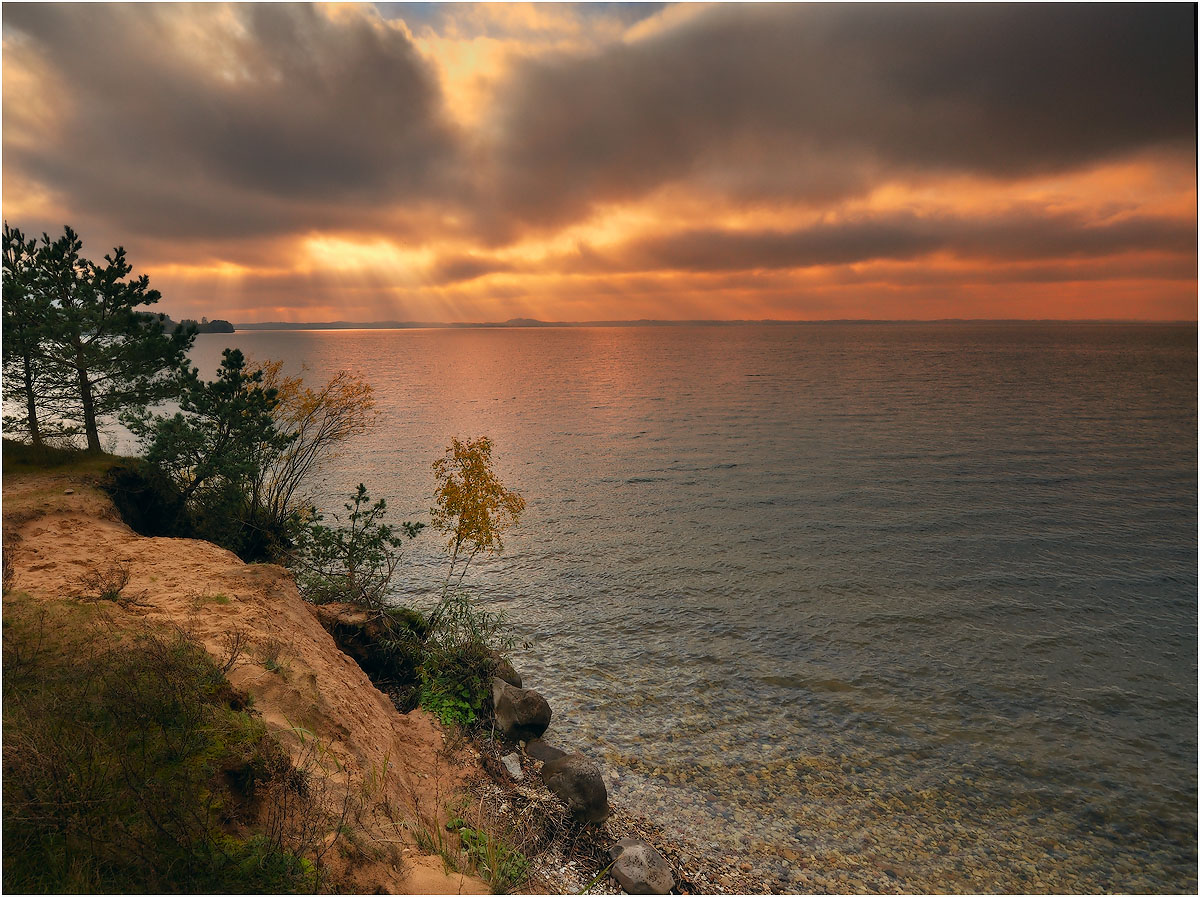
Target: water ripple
(907, 593)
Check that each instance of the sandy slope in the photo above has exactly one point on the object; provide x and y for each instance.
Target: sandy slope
(397, 766)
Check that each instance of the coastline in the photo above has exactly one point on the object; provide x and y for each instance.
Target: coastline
(60, 525)
(863, 730)
(847, 834)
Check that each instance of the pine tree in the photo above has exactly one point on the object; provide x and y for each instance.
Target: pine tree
(222, 435)
(26, 311)
(101, 353)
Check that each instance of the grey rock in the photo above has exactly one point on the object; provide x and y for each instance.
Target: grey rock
(640, 869)
(520, 712)
(512, 762)
(502, 669)
(577, 782)
(539, 750)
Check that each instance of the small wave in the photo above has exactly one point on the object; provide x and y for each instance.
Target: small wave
(1109, 701)
(807, 683)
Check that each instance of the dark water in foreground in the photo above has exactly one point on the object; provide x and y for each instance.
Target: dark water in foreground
(899, 607)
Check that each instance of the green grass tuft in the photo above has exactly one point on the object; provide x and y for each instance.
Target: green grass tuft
(126, 767)
(20, 457)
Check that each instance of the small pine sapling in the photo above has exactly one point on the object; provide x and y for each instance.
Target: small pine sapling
(356, 561)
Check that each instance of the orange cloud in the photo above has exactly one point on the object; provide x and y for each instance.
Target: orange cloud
(595, 162)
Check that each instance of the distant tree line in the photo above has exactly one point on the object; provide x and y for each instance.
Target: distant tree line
(204, 325)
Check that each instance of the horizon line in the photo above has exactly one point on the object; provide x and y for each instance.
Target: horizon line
(518, 323)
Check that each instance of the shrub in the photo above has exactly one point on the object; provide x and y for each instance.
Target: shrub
(456, 668)
(319, 423)
(354, 562)
(502, 866)
(231, 465)
(226, 518)
(450, 656)
(212, 451)
(220, 434)
(106, 582)
(451, 687)
(153, 505)
(147, 500)
(444, 667)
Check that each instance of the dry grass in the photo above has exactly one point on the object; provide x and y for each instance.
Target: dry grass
(107, 582)
(130, 764)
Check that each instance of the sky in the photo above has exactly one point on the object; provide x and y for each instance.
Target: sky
(607, 161)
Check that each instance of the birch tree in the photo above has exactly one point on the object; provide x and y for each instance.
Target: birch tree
(473, 506)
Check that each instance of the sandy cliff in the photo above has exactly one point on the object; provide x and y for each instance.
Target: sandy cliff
(57, 530)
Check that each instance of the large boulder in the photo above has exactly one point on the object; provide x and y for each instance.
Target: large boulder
(577, 782)
(540, 750)
(521, 713)
(502, 669)
(640, 869)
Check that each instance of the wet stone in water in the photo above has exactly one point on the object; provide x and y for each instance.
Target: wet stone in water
(640, 869)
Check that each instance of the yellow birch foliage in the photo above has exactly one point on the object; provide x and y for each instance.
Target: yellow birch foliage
(322, 420)
(473, 507)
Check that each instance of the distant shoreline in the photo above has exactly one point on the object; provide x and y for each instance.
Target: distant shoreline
(532, 324)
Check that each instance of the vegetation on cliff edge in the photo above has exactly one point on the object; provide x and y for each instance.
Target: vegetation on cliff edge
(140, 769)
(131, 765)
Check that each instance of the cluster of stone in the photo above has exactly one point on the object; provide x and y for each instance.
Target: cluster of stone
(524, 715)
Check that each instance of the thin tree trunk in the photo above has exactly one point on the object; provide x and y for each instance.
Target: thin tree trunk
(470, 558)
(35, 433)
(453, 559)
(89, 407)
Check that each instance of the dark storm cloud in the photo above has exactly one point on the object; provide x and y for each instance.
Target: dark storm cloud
(461, 268)
(803, 102)
(171, 123)
(245, 127)
(1017, 236)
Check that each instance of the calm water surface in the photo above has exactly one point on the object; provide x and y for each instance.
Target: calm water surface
(881, 607)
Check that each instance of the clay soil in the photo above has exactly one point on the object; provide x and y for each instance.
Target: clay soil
(395, 772)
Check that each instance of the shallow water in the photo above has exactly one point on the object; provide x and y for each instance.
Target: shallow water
(883, 607)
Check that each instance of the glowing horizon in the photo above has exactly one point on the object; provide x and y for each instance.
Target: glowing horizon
(477, 163)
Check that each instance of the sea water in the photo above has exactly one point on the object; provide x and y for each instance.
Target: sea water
(872, 606)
